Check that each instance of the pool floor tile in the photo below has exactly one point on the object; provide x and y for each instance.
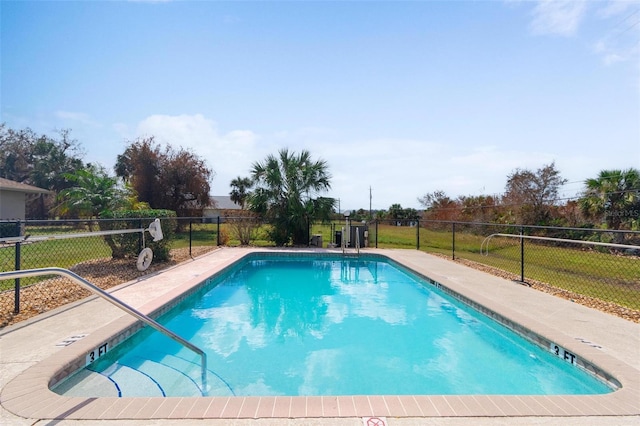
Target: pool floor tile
(165, 409)
(444, 408)
(265, 407)
(489, 406)
(183, 408)
(232, 408)
(249, 407)
(330, 406)
(378, 405)
(394, 406)
(314, 406)
(217, 406)
(427, 408)
(410, 406)
(362, 405)
(298, 406)
(131, 411)
(346, 406)
(148, 409)
(200, 408)
(282, 406)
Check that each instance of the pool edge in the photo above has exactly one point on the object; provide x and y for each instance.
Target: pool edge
(19, 394)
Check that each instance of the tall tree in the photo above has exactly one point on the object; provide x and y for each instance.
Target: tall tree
(613, 196)
(532, 194)
(140, 166)
(39, 160)
(240, 190)
(439, 206)
(287, 189)
(165, 178)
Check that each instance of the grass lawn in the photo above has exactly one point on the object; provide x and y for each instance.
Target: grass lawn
(604, 276)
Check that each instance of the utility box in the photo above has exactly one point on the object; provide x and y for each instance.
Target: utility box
(357, 231)
(316, 240)
(338, 238)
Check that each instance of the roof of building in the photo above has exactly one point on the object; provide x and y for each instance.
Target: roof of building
(223, 202)
(10, 185)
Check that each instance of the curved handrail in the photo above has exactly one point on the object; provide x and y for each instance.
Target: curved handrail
(562, 240)
(117, 302)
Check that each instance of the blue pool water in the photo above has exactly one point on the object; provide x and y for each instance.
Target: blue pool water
(328, 326)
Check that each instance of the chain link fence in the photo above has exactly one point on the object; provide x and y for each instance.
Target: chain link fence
(598, 268)
(82, 247)
(554, 260)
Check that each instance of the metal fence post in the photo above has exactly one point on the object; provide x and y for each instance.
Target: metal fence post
(418, 235)
(190, 237)
(376, 234)
(218, 230)
(453, 241)
(521, 254)
(16, 303)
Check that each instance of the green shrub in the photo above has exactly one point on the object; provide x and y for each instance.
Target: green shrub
(9, 229)
(129, 245)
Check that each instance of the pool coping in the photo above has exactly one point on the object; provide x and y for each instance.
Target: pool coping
(27, 395)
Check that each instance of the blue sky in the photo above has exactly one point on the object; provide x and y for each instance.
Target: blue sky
(404, 98)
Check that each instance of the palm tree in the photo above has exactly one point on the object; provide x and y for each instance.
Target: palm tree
(614, 194)
(240, 191)
(286, 194)
(92, 193)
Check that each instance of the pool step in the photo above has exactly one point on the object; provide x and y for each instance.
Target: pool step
(175, 376)
(118, 380)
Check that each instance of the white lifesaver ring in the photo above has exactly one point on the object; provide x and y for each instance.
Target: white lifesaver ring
(144, 259)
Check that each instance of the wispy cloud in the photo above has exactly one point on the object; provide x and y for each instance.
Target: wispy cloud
(558, 17)
(620, 42)
(79, 117)
(226, 153)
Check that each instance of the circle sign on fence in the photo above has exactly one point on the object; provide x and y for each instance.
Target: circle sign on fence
(144, 259)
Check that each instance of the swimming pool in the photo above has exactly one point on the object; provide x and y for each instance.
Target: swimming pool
(329, 325)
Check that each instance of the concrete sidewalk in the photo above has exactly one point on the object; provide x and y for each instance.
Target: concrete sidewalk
(606, 341)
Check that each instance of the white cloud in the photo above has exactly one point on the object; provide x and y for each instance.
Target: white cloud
(228, 154)
(619, 44)
(558, 17)
(79, 117)
(616, 7)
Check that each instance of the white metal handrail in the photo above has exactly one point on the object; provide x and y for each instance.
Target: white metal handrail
(485, 250)
(117, 302)
(33, 238)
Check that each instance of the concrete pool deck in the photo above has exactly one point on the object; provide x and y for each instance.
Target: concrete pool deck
(31, 354)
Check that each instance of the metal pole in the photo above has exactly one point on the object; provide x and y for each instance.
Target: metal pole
(376, 234)
(190, 237)
(521, 254)
(453, 241)
(418, 235)
(16, 303)
(218, 232)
